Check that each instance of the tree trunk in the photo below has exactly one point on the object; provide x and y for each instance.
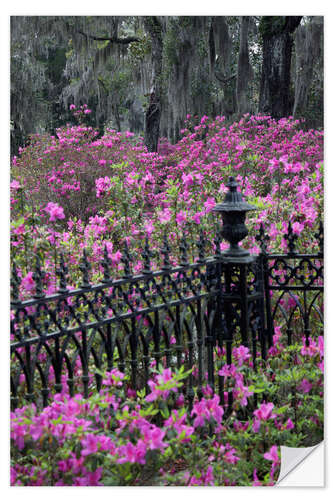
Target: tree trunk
(308, 50)
(244, 70)
(117, 118)
(275, 97)
(220, 45)
(153, 112)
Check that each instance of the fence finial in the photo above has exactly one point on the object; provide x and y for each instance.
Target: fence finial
(126, 260)
(290, 237)
(147, 254)
(106, 265)
(165, 251)
(233, 210)
(38, 277)
(15, 281)
(62, 273)
(183, 251)
(201, 246)
(85, 267)
(262, 238)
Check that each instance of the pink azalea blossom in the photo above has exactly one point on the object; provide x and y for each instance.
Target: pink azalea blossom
(311, 349)
(272, 455)
(153, 438)
(305, 386)
(241, 354)
(230, 456)
(89, 444)
(55, 211)
(265, 411)
(181, 217)
(115, 257)
(289, 424)
(187, 180)
(15, 185)
(209, 204)
(103, 184)
(321, 345)
(149, 228)
(241, 392)
(197, 217)
(28, 282)
(132, 453)
(205, 409)
(228, 371)
(297, 227)
(256, 481)
(165, 215)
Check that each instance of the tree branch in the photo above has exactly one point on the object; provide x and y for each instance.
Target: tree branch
(112, 39)
(224, 79)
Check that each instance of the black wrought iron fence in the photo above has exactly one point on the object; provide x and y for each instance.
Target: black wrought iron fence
(294, 284)
(175, 315)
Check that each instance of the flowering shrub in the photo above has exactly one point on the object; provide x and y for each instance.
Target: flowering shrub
(154, 439)
(77, 191)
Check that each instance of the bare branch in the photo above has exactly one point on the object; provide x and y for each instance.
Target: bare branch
(113, 39)
(222, 78)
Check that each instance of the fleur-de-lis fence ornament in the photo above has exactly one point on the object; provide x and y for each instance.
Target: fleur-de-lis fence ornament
(38, 277)
(201, 247)
(106, 265)
(62, 272)
(183, 246)
(85, 267)
(126, 260)
(290, 237)
(15, 282)
(165, 251)
(147, 255)
(262, 238)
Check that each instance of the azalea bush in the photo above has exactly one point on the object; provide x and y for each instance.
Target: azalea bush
(75, 191)
(79, 191)
(119, 437)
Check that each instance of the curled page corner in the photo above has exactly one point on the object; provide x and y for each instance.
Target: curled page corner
(302, 466)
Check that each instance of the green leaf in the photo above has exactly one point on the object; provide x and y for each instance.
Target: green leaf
(282, 410)
(142, 393)
(165, 412)
(100, 372)
(18, 222)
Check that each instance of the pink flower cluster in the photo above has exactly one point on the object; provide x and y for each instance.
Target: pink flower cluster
(164, 385)
(55, 211)
(102, 185)
(207, 409)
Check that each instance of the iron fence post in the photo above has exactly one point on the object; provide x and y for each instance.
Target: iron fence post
(237, 263)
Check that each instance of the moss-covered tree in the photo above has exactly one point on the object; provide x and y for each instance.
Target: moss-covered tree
(275, 95)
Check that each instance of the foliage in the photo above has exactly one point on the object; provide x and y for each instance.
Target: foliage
(110, 187)
(271, 25)
(59, 60)
(77, 191)
(119, 438)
